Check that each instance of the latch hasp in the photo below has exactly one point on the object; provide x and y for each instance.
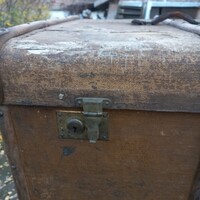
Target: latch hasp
(91, 123)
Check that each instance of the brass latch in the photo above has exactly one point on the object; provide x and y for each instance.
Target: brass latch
(91, 123)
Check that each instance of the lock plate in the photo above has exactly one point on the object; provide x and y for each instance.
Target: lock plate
(72, 125)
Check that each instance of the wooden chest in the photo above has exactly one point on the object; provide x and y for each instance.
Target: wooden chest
(102, 110)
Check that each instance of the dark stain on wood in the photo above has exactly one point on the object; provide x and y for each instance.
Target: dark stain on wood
(67, 151)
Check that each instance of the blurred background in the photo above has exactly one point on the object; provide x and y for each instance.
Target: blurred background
(13, 12)
(120, 9)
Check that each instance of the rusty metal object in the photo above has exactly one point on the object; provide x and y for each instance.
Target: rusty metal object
(169, 15)
(91, 123)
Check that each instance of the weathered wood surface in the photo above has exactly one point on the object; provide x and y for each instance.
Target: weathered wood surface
(148, 156)
(22, 29)
(7, 186)
(137, 67)
(1, 92)
(13, 150)
(195, 191)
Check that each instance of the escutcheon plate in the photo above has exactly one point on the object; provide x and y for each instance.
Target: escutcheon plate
(67, 119)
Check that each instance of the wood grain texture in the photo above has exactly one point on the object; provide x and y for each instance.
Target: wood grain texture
(148, 156)
(1, 92)
(137, 67)
(195, 191)
(13, 152)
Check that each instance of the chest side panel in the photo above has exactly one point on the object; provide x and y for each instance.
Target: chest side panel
(148, 156)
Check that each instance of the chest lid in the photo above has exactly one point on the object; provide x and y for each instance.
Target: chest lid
(136, 67)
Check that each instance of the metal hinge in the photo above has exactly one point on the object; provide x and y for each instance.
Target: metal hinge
(91, 123)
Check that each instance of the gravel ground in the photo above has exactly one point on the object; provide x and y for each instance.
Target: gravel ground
(7, 186)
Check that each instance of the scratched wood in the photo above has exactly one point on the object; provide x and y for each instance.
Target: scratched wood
(149, 156)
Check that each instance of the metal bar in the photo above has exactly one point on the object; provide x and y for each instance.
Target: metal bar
(112, 11)
(130, 3)
(161, 4)
(100, 2)
(148, 10)
(176, 4)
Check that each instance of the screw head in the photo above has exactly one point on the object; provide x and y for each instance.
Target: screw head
(104, 137)
(13, 167)
(106, 102)
(61, 136)
(79, 102)
(61, 96)
(105, 115)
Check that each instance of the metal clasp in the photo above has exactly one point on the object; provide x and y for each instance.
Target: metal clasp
(91, 123)
(93, 115)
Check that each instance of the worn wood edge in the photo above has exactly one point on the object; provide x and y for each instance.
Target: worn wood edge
(12, 152)
(158, 100)
(1, 91)
(138, 108)
(26, 28)
(183, 26)
(195, 188)
(156, 103)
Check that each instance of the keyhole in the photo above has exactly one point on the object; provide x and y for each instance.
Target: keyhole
(75, 126)
(75, 129)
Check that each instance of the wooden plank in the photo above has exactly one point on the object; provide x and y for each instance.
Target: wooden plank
(13, 152)
(7, 185)
(195, 192)
(1, 92)
(148, 156)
